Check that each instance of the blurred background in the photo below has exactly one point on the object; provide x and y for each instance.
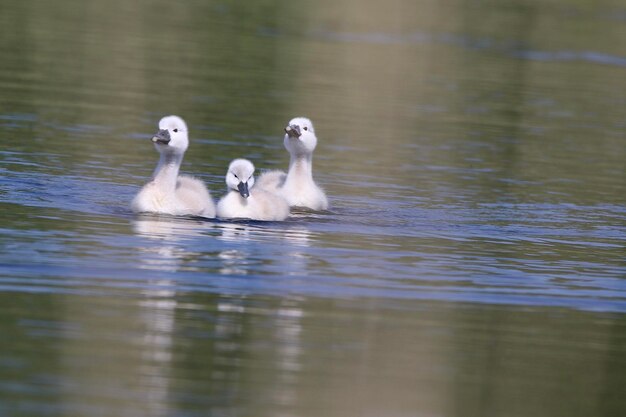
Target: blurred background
(472, 261)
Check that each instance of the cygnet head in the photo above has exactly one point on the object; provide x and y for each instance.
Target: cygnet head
(172, 135)
(300, 136)
(240, 176)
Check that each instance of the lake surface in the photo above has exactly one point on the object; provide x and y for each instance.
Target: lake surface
(472, 263)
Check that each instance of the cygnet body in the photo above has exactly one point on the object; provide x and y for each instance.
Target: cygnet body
(244, 201)
(297, 186)
(167, 192)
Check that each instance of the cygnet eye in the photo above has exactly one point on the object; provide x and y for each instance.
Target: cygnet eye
(235, 175)
(175, 130)
(306, 128)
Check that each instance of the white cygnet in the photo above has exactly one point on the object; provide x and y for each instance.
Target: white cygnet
(245, 202)
(168, 192)
(297, 186)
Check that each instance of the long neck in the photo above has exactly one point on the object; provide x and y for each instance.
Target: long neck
(166, 172)
(301, 166)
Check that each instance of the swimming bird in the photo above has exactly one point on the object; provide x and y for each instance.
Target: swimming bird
(245, 202)
(167, 192)
(297, 185)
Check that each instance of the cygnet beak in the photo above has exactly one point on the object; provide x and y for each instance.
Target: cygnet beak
(243, 189)
(293, 131)
(162, 136)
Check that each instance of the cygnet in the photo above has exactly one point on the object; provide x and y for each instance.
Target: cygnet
(245, 202)
(297, 186)
(167, 192)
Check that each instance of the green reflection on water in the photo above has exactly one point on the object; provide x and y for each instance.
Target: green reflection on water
(160, 353)
(425, 74)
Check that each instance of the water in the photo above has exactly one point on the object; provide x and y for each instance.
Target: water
(472, 262)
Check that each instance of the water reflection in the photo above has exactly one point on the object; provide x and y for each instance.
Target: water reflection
(167, 233)
(157, 309)
(278, 348)
(125, 351)
(123, 354)
(292, 232)
(281, 244)
(233, 262)
(288, 339)
(157, 313)
(235, 232)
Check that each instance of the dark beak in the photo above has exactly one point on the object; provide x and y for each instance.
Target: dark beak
(243, 189)
(162, 136)
(293, 131)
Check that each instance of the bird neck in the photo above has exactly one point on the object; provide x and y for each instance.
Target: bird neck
(301, 166)
(166, 172)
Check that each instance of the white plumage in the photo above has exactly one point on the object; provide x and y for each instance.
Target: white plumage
(297, 185)
(167, 192)
(244, 201)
